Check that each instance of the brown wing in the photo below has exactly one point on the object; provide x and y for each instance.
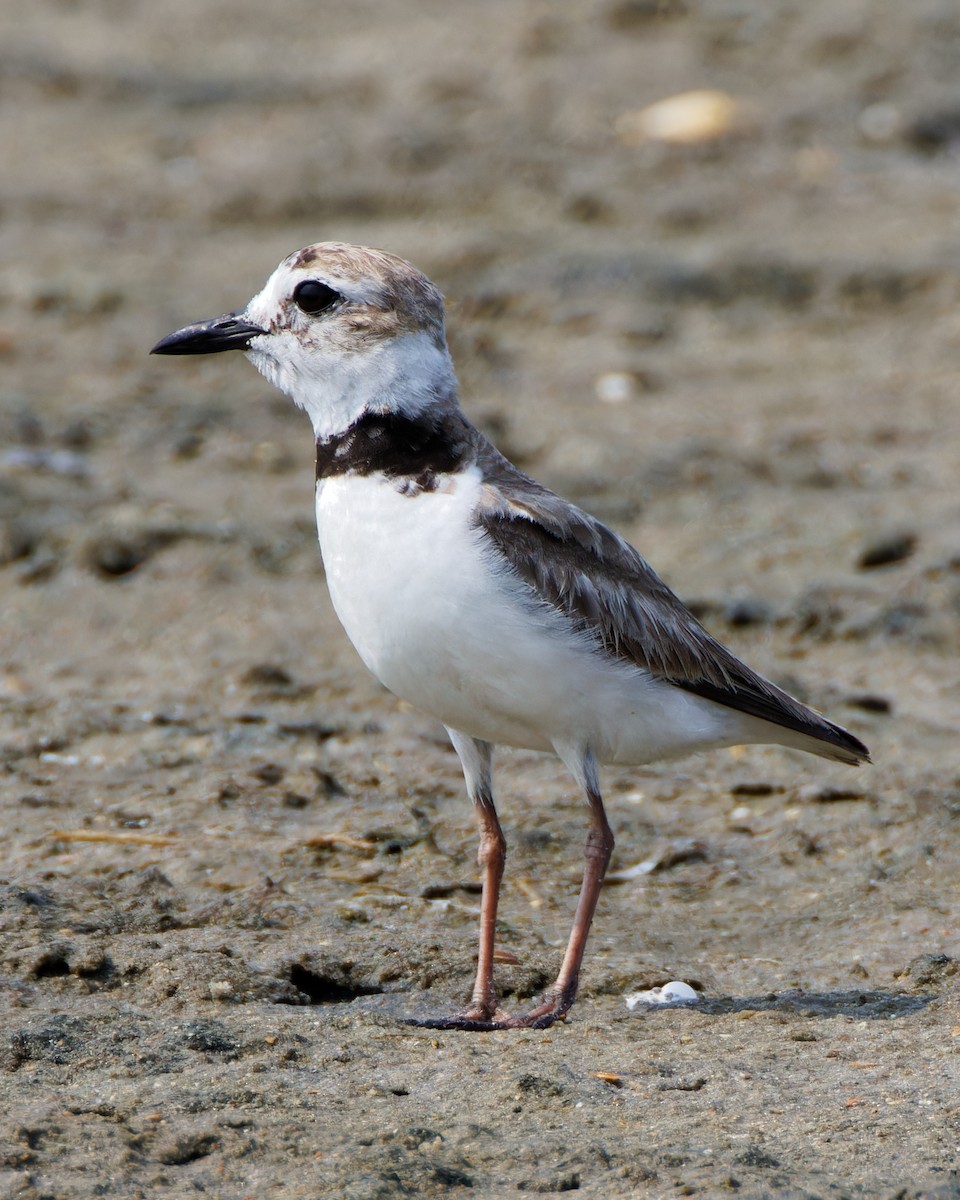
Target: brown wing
(574, 563)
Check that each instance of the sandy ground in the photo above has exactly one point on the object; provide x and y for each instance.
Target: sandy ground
(232, 861)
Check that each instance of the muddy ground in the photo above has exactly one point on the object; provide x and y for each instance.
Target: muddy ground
(232, 861)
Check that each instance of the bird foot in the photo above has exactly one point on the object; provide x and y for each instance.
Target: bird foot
(478, 1018)
(457, 1021)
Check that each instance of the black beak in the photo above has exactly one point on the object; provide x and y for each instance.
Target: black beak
(210, 337)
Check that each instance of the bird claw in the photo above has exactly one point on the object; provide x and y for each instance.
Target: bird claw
(477, 1017)
(465, 1023)
(550, 1010)
(473, 1020)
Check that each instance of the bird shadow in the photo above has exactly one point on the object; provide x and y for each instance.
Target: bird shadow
(868, 1004)
(865, 1004)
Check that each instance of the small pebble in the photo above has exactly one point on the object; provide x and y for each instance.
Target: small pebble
(267, 674)
(221, 989)
(674, 992)
(886, 549)
(870, 702)
(269, 773)
(684, 119)
(746, 611)
(935, 132)
(880, 122)
(615, 387)
(816, 793)
(755, 787)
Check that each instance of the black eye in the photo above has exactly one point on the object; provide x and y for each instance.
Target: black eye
(314, 297)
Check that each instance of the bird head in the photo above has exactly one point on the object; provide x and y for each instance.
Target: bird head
(343, 330)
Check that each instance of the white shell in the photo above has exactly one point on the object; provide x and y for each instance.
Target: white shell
(615, 387)
(700, 116)
(674, 992)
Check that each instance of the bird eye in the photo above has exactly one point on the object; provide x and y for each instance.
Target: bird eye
(314, 297)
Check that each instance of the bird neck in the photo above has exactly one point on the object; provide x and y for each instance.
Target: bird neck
(406, 376)
(416, 449)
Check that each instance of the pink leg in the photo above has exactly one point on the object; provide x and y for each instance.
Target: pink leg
(482, 1012)
(475, 756)
(491, 856)
(558, 999)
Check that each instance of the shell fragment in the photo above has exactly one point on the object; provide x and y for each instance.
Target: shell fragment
(674, 992)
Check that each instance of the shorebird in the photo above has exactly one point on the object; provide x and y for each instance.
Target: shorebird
(477, 594)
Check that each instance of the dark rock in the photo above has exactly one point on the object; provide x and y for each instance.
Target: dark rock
(268, 675)
(870, 702)
(317, 730)
(748, 611)
(628, 16)
(757, 787)
(887, 549)
(815, 793)
(328, 785)
(589, 209)
(935, 132)
(115, 554)
(269, 773)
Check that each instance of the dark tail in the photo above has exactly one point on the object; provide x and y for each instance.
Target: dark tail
(797, 725)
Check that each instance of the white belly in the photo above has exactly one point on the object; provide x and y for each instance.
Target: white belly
(439, 626)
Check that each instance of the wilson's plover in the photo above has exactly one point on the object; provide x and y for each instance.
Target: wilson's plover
(474, 592)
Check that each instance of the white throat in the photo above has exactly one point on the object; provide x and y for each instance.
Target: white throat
(335, 387)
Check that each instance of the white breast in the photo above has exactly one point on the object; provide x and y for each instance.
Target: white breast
(417, 597)
(398, 566)
(440, 626)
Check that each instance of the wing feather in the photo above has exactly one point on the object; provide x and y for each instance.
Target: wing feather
(578, 566)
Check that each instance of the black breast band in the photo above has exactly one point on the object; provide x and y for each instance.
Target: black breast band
(417, 449)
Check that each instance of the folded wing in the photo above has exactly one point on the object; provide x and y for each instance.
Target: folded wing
(605, 588)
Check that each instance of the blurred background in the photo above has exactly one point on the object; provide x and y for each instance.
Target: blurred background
(701, 261)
